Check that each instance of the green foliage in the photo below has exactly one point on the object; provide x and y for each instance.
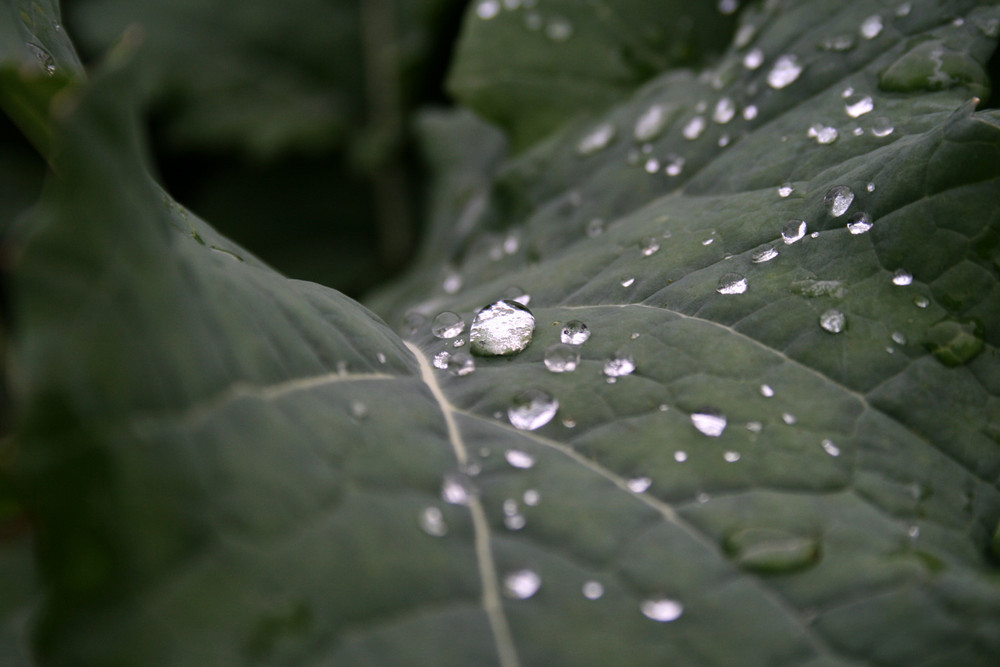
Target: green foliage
(794, 459)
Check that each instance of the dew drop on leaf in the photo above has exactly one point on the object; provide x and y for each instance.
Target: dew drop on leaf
(838, 43)
(709, 422)
(838, 199)
(639, 484)
(452, 283)
(558, 29)
(663, 610)
(763, 254)
(532, 409)
(771, 550)
(731, 456)
(488, 9)
(440, 360)
(830, 448)
(455, 490)
(785, 71)
(858, 105)
(561, 358)
(921, 302)
(627, 281)
(652, 122)
(898, 338)
(502, 328)
(574, 332)
(732, 283)
(595, 227)
(447, 325)
(766, 391)
(859, 223)
(871, 27)
(649, 245)
(793, 231)
(531, 498)
(882, 127)
(359, 410)
(680, 456)
(725, 110)
(619, 364)
(521, 584)
(596, 139)
(593, 590)
(833, 321)
(788, 418)
(902, 278)
(694, 127)
(785, 189)
(823, 134)
(753, 59)
(461, 364)
(674, 166)
(432, 522)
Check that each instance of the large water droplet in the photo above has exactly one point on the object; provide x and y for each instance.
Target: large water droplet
(882, 127)
(858, 105)
(596, 139)
(461, 364)
(432, 522)
(859, 223)
(561, 358)
(771, 550)
(532, 409)
(725, 110)
(653, 121)
(793, 231)
(619, 364)
(663, 610)
(732, 283)
(954, 342)
(838, 199)
(502, 328)
(710, 422)
(521, 584)
(763, 254)
(574, 332)
(785, 71)
(447, 325)
(694, 127)
(871, 27)
(833, 321)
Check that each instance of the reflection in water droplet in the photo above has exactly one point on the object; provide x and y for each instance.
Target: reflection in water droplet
(639, 484)
(455, 490)
(753, 59)
(859, 223)
(771, 549)
(871, 27)
(596, 139)
(766, 390)
(725, 110)
(838, 199)
(441, 360)
(648, 245)
(785, 71)
(593, 590)
(902, 277)
(561, 358)
(732, 283)
(461, 364)
(830, 448)
(793, 231)
(694, 127)
(447, 325)
(532, 409)
(521, 584)
(618, 365)
(663, 610)
(574, 332)
(432, 522)
(710, 422)
(858, 105)
(652, 122)
(488, 9)
(785, 190)
(833, 321)
(882, 127)
(502, 328)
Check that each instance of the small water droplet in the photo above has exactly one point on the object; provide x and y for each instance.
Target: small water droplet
(619, 365)
(531, 498)
(710, 422)
(785, 71)
(461, 364)
(455, 490)
(858, 105)
(652, 165)
(43, 57)
(574, 332)
(902, 277)
(519, 459)
(793, 231)
(763, 254)
(558, 29)
(921, 302)
(532, 409)
(749, 112)
(627, 281)
(725, 110)
(753, 59)
(447, 325)
(766, 390)
(674, 166)
(823, 134)
(359, 410)
(488, 9)
(788, 418)
(785, 190)
(755, 427)
(432, 522)
(649, 245)
(561, 358)
(833, 321)
(731, 456)
(771, 549)
(870, 187)
(871, 27)
(502, 328)
(380, 357)
(904, 9)
(653, 121)
(593, 590)
(694, 127)
(882, 127)
(732, 283)
(597, 139)
(663, 610)
(441, 360)
(639, 484)
(830, 448)
(898, 338)
(521, 584)
(838, 199)
(859, 223)
(595, 227)
(569, 423)
(680, 456)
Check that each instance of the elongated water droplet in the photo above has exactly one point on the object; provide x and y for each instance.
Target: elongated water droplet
(838, 43)
(663, 610)
(763, 254)
(627, 281)
(871, 27)
(858, 105)
(732, 283)
(532, 409)
(447, 325)
(653, 121)
(753, 59)
(793, 231)
(833, 321)
(432, 522)
(619, 364)
(596, 139)
(785, 71)
(830, 448)
(771, 550)
(694, 127)
(561, 358)
(766, 391)
(521, 584)
(593, 590)
(859, 223)
(574, 332)
(519, 459)
(838, 199)
(639, 484)
(502, 328)
(710, 422)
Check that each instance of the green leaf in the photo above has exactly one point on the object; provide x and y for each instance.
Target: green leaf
(228, 466)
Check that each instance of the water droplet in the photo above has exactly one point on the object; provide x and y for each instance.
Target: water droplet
(898, 338)
(753, 59)
(871, 27)
(593, 590)
(680, 456)
(710, 422)
(515, 522)
(954, 342)
(488, 9)
(532, 409)
(663, 610)
(675, 165)
(771, 549)
(830, 448)
(763, 254)
(441, 360)
(596, 139)
(43, 57)
(725, 110)
(731, 457)
(574, 332)
(788, 418)
(838, 199)
(793, 231)
(870, 187)
(653, 121)
(902, 277)
(833, 321)
(785, 190)
(732, 283)
(785, 71)
(561, 358)
(413, 322)
(502, 328)
(432, 522)
(648, 245)
(652, 165)
(823, 134)
(639, 484)
(728, 6)
(359, 410)
(595, 227)
(921, 302)
(859, 223)
(618, 365)
(558, 29)
(766, 390)
(627, 281)
(904, 9)
(694, 127)
(461, 364)
(858, 105)
(882, 127)
(838, 43)
(520, 459)
(531, 498)
(380, 357)
(755, 427)
(521, 584)
(456, 490)
(447, 325)
(749, 112)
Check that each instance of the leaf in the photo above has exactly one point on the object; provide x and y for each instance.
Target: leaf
(224, 469)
